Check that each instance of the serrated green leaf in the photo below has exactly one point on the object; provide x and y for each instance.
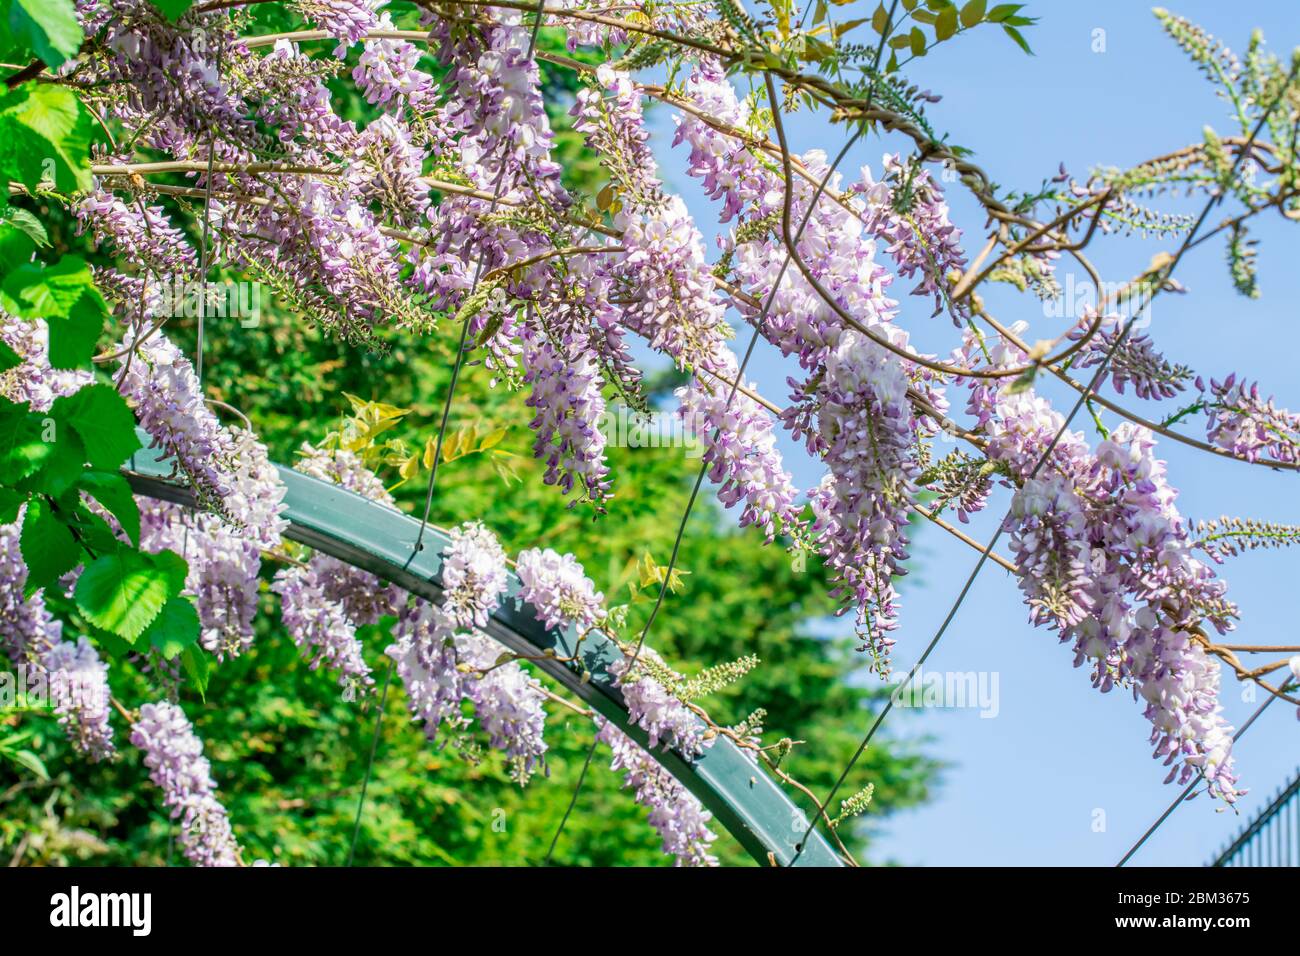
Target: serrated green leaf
(61, 466)
(47, 546)
(23, 444)
(36, 291)
(45, 134)
(49, 27)
(72, 340)
(123, 593)
(16, 246)
(101, 417)
(175, 567)
(29, 224)
(175, 628)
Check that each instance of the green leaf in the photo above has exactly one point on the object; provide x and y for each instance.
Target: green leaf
(72, 340)
(47, 546)
(1020, 40)
(113, 492)
(1002, 11)
(48, 27)
(198, 667)
(64, 295)
(62, 464)
(45, 134)
(880, 19)
(28, 223)
(972, 13)
(89, 527)
(10, 502)
(23, 445)
(25, 758)
(101, 417)
(8, 358)
(173, 10)
(917, 40)
(20, 234)
(36, 291)
(175, 628)
(175, 567)
(123, 593)
(945, 25)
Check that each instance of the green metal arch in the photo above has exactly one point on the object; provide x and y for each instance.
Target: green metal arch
(378, 539)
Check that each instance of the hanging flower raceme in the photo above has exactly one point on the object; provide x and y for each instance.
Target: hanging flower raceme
(164, 75)
(677, 815)
(739, 445)
(34, 381)
(443, 662)
(609, 116)
(1049, 539)
(388, 76)
(667, 721)
(164, 392)
(474, 575)
(345, 20)
(323, 602)
(1135, 362)
(495, 114)
(569, 408)
(560, 593)
(74, 675)
(867, 430)
(1248, 426)
(139, 234)
(1104, 556)
(425, 655)
(508, 704)
(907, 210)
(321, 628)
(174, 756)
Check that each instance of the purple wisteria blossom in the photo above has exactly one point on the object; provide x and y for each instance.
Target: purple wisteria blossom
(677, 815)
(559, 591)
(474, 574)
(174, 756)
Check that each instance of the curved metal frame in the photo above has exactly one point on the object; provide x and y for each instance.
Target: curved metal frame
(378, 539)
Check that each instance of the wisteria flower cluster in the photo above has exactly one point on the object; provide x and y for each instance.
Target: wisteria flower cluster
(174, 756)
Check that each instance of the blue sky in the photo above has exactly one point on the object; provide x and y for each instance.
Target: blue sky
(1063, 775)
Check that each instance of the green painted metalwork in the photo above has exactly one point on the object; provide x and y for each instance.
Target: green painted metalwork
(371, 536)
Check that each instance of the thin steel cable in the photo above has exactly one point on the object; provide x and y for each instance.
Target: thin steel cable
(1163, 276)
(433, 469)
(205, 251)
(374, 748)
(731, 394)
(1200, 775)
(573, 800)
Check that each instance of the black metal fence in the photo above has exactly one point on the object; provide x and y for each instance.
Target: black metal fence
(1272, 838)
